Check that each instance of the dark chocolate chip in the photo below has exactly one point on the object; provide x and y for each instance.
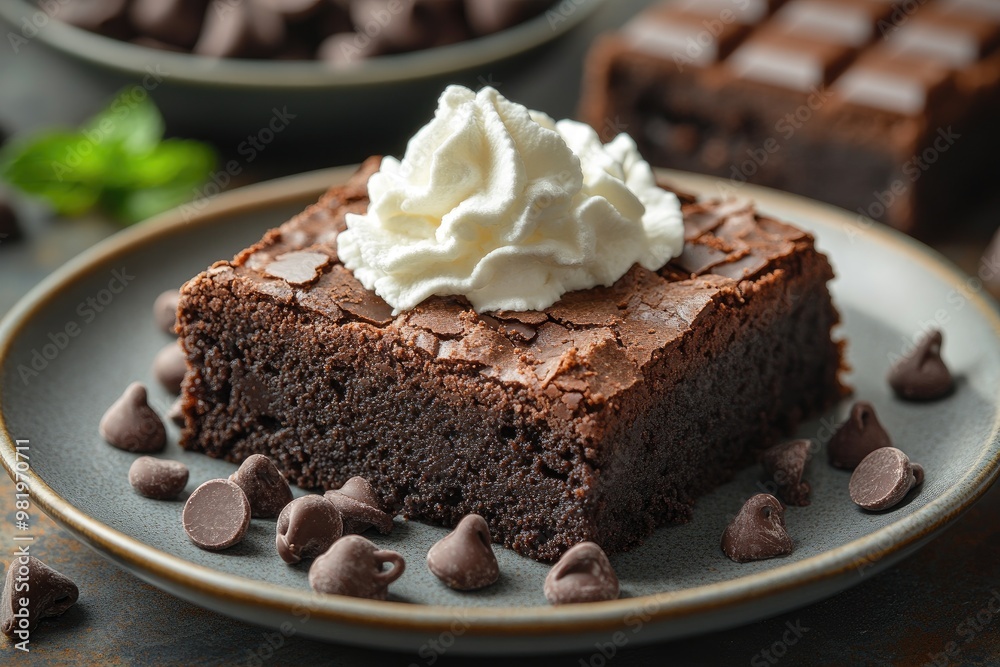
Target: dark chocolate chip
(307, 527)
(10, 229)
(922, 375)
(47, 593)
(758, 531)
(583, 574)
(294, 10)
(107, 17)
(241, 30)
(217, 515)
(344, 49)
(353, 566)
(159, 479)
(169, 367)
(176, 413)
(464, 559)
(412, 24)
(175, 22)
(785, 465)
(132, 425)
(360, 507)
(883, 479)
(488, 16)
(857, 437)
(266, 488)
(165, 310)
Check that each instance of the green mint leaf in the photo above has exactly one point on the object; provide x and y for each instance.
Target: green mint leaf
(61, 167)
(135, 124)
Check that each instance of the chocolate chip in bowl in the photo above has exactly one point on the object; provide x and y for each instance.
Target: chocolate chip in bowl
(335, 85)
(169, 367)
(165, 310)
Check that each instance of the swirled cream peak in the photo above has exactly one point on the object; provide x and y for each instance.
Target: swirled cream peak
(508, 208)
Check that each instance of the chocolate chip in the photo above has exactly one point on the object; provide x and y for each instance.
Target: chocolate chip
(159, 479)
(785, 465)
(240, 30)
(165, 310)
(175, 22)
(758, 531)
(353, 567)
(360, 507)
(294, 10)
(10, 230)
(344, 49)
(883, 479)
(464, 559)
(857, 437)
(307, 527)
(47, 593)
(922, 375)
(583, 574)
(169, 367)
(265, 487)
(488, 16)
(415, 24)
(132, 425)
(106, 17)
(176, 413)
(217, 515)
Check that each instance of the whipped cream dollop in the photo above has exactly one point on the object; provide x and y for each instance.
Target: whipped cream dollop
(508, 208)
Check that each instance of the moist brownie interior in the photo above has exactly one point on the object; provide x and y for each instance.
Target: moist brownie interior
(599, 418)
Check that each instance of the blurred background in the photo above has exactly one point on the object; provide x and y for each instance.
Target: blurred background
(189, 98)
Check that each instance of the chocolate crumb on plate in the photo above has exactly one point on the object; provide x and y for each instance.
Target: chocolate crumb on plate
(785, 464)
(758, 531)
(464, 558)
(160, 479)
(217, 515)
(360, 507)
(354, 566)
(265, 487)
(132, 425)
(583, 574)
(307, 527)
(857, 437)
(884, 478)
(922, 375)
(49, 593)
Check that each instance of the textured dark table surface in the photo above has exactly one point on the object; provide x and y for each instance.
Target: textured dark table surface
(908, 615)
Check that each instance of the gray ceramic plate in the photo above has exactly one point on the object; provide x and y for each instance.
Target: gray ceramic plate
(889, 288)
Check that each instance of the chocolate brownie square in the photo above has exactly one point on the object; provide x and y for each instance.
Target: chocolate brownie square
(599, 418)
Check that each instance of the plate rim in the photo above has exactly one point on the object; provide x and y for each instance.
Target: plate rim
(260, 74)
(198, 580)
